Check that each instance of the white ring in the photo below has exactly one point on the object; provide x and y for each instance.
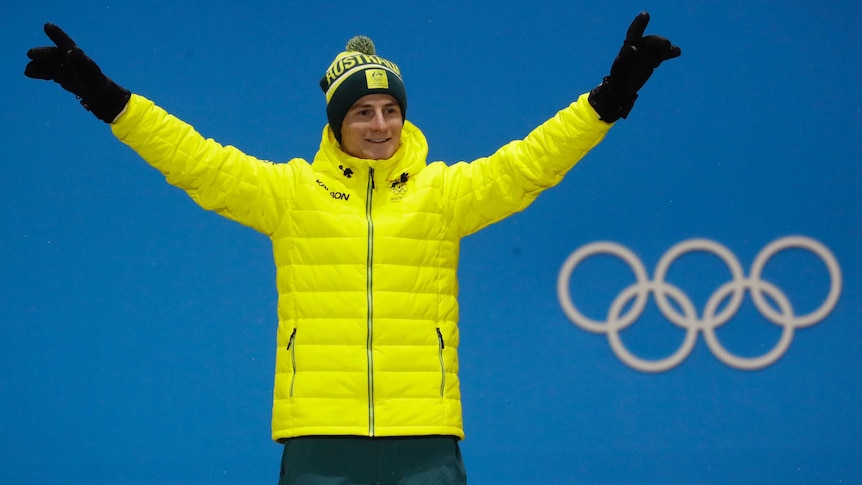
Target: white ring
(574, 259)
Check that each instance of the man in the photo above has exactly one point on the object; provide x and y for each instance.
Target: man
(365, 240)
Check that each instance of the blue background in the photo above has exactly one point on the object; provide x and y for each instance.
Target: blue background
(137, 331)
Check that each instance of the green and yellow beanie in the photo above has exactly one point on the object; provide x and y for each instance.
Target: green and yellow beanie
(355, 73)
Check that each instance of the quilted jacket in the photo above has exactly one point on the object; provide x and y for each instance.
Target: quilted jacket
(366, 253)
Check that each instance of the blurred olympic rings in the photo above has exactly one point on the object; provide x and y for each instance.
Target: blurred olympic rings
(713, 315)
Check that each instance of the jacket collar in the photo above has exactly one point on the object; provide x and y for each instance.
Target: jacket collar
(409, 159)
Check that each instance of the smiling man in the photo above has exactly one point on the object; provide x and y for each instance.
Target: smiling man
(372, 127)
(366, 244)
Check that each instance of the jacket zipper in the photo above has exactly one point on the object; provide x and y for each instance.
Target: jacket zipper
(370, 317)
(291, 347)
(440, 348)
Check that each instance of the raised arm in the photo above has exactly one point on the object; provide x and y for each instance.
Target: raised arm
(489, 189)
(218, 178)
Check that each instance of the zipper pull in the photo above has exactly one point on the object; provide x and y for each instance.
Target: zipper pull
(371, 176)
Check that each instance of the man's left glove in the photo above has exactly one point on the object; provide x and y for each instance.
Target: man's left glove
(639, 56)
(67, 65)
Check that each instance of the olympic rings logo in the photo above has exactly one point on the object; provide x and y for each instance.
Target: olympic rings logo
(713, 315)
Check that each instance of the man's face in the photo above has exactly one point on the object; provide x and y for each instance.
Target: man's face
(372, 127)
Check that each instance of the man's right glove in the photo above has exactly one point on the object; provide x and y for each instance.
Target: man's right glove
(639, 56)
(67, 65)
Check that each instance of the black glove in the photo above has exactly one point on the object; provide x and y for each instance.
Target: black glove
(639, 56)
(67, 65)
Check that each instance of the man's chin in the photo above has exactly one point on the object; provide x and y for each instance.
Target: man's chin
(380, 152)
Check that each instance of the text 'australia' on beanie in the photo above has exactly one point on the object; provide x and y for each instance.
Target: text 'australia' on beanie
(355, 73)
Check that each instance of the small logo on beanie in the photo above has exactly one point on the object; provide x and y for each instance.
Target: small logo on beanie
(376, 79)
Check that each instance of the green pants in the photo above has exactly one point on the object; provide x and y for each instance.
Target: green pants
(353, 460)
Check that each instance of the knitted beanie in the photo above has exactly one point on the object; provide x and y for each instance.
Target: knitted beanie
(355, 73)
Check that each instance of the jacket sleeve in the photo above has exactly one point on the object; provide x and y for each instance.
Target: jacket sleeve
(489, 189)
(218, 178)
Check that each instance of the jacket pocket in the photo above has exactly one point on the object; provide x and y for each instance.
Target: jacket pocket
(291, 348)
(440, 346)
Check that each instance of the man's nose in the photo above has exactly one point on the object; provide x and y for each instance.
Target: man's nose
(378, 122)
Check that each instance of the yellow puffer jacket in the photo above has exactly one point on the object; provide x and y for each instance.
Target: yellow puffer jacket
(366, 254)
